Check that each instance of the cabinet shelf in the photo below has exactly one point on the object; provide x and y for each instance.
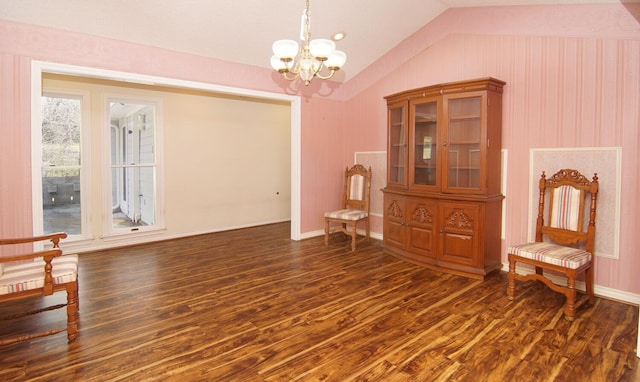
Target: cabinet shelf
(424, 166)
(457, 118)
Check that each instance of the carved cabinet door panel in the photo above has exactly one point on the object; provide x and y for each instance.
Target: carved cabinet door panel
(422, 218)
(394, 218)
(459, 233)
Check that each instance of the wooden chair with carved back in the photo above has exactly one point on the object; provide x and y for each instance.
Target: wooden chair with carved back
(26, 272)
(562, 243)
(355, 206)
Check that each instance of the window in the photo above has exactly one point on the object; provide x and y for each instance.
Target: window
(133, 161)
(63, 175)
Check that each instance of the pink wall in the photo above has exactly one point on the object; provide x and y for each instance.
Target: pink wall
(572, 73)
(573, 80)
(321, 136)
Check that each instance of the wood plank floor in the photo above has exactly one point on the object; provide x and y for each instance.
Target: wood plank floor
(252, 305)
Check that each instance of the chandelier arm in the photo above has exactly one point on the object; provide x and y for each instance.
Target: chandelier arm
(333, 71)
(292, 77)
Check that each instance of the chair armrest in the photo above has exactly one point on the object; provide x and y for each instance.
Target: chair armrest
(53, 237)
(47, 255)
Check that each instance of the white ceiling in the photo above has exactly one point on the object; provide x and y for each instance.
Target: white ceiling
(242, 31)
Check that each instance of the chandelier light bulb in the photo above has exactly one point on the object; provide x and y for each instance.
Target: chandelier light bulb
(321, 48)
(279, 65)
(336, 60)
(285, 49)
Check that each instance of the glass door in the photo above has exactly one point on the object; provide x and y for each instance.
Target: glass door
(397, 142)
(133, 166)
(424, 137)
(463, 142)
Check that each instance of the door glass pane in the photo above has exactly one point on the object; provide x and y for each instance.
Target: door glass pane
(397, 145)
(132, 165)
(426, 130)
(61, 124)
(464, 143)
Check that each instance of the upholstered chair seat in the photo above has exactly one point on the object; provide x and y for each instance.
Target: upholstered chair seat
(26, 275)
(550, 253)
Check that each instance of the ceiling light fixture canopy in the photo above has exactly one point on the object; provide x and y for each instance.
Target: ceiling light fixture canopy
(308, 61)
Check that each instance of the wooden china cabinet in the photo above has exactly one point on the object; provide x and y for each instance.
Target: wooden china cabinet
(442, 202)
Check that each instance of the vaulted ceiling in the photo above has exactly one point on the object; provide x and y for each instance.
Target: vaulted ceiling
(242, 31)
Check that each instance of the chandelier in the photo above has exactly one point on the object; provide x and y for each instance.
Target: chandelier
(311, 59)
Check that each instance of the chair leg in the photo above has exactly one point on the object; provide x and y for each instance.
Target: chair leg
(326, 231)
(354, 237)
(368, 228)
(511, 288)
(72, 311)
(588, 276)
(570, 293)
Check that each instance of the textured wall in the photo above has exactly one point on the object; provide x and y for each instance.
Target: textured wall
(573, 80)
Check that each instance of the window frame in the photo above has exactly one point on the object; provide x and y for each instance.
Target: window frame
(108, 230)
(86, 231)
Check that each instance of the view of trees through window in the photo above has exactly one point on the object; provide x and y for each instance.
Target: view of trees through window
(61, 143)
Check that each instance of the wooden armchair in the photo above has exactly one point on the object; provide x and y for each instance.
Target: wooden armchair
(562, 244)
(39, 273)
(355, 205)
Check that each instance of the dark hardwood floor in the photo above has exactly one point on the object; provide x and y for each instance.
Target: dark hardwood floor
(252, 305)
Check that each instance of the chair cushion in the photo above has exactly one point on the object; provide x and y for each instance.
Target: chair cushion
(356, 189)
(346, 214)
(550, 253)
(566, 208)
(19, 276)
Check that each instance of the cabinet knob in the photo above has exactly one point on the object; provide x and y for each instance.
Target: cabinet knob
(444, 143)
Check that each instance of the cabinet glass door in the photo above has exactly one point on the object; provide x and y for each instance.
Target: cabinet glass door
(397, 141)
(464, 151)
(424, 137)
